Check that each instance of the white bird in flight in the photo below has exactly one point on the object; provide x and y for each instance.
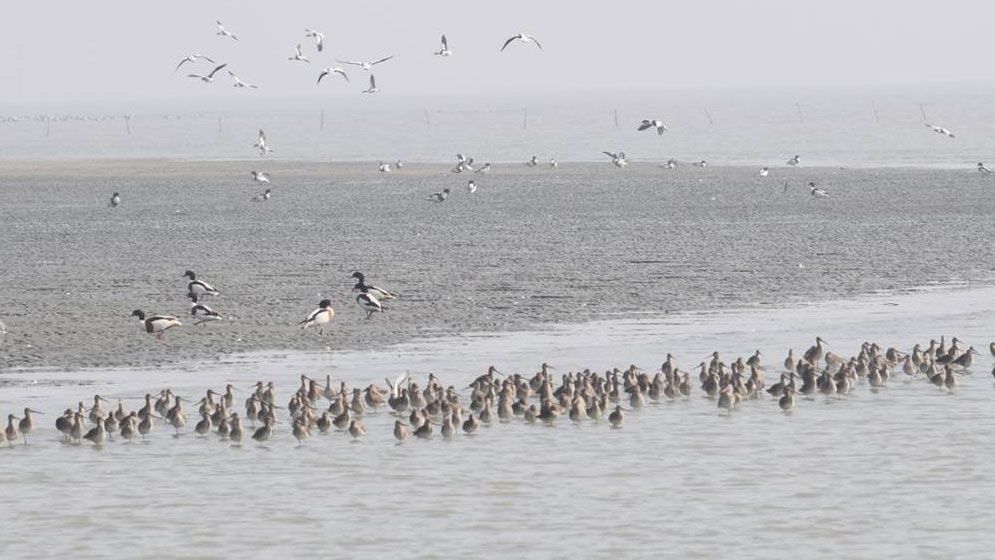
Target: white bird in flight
(208, 78)
(794, 161)
(373, 86)
(319, 37)
(333, 71)
(817, 192)
(365, 65)
(941, 130)
(983, 170)
(444, 51)
(299, 55)
(261, 144)
(193, 58)
(617, 159)
(237, 82)
(654, 123)
(523, 37)
(224, 32)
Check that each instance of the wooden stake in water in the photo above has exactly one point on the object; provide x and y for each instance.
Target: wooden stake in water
(321, 125)
(709, 116)
(219, 123)
(874, 107)
(525, 119)
(616, 118)
(127, 123)
(923, 111)
(428, 122)
(48, 126)
(798, 108)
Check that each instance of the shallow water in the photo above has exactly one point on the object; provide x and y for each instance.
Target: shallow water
(532, 246)
(897, 473)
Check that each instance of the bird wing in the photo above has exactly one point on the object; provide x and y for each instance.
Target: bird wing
(508, 42)
(322, 75)
(321, 41)
(182, 62)
(211, 75)
(381, 60)
(341, 71)
(373, 82)
(445, 44)
(194, 76)
(645, 125)
(536, 41)
(353, 62)
(609, 154)
(207, 58)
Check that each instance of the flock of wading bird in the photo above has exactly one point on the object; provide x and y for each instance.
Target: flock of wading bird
(579, 396)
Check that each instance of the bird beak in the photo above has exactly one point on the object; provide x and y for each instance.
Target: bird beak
(37, 412)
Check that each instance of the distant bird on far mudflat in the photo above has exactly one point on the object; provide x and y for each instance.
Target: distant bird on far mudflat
(299, 55)
(671, 164)
(794, 161)
(485, 169)
(983, 170)
(817, 192)
(259, 177)
(523, 37)
(224, 32)
(206, 313)
(262, 197)
(362, 287)
(261, 144)
(533, 161)
(365, 65)
(444, 51)
(237, 82)
(373, 86)
(940, 130)
(648, 124)
(439, 196)
(208, 78)
(319, 38)
(472, 187)
(193, 58)
(764, 171)
(115, 200)
(553, 163)
(618, 159)
(333, 70)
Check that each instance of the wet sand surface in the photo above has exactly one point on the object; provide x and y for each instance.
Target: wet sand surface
(531, 247)
(895, 473)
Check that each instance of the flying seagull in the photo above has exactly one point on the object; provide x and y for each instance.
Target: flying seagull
(941, 130)
(658, 125)
(982, 169)
(319, 37)
(444, 51)
(523, 37)
(193, 58)
(332, 70)
(373, 86)
(210, 77)
(365, 65)
(224, 32)
(261, 144)
(236, 82)
(299, 55)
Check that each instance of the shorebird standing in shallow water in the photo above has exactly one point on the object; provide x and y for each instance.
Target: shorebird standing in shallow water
(27, 424)
(817, 192)
(115, 200)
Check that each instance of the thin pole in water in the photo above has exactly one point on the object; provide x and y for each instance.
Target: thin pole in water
(321, 126)
(525, 119)
(616, 118)
(219, 123)
(798, 108)
(709, 116)
(428, 122)
(923, 111)
(127, 123)
(874, 106)
(48, 126)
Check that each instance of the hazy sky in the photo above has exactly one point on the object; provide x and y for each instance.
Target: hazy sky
(108, 52)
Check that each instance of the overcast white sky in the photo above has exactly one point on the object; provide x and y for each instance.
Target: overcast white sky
(103, 51)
